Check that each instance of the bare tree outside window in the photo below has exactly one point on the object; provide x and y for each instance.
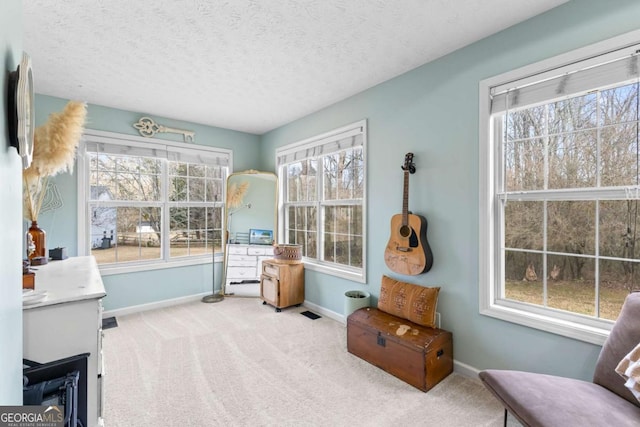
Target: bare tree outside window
(324, 199)
(558, 158)
(128, 208)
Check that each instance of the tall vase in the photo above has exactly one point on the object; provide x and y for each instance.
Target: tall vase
(36, 236)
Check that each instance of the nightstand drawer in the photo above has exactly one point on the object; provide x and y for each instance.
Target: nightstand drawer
(271, 269)
(269, 290)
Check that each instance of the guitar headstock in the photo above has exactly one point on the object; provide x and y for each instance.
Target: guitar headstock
(408, 163)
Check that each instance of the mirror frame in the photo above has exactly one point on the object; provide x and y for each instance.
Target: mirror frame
(226, 233)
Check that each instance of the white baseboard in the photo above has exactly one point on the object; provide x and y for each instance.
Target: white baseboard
(465, 370)
(152, 305)
(325, 312)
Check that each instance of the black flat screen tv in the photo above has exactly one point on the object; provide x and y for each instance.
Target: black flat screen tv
(259, 236)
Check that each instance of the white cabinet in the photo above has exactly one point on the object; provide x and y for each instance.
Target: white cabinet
(69, 322)
(244, 267)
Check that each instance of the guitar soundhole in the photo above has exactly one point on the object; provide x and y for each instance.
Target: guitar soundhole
(407, 232)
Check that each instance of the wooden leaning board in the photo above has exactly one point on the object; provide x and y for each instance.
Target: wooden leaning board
(419, 355)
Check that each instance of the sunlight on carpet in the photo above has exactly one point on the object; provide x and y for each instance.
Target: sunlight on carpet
(239, 363)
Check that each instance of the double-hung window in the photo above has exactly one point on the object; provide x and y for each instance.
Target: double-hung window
(149, 203)
(323, 182)
(559, 191)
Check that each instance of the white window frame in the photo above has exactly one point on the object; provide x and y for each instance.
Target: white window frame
(91, 135)
(561, 323)
(314, 264)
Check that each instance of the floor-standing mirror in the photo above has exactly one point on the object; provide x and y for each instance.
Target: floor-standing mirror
(251, 229)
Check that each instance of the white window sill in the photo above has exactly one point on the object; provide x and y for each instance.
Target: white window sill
(588, 333)
(112, 269)
(353, 275)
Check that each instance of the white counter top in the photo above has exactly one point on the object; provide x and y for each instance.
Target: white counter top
(72, 279)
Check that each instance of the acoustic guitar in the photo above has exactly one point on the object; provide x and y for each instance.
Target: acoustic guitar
(408, 251)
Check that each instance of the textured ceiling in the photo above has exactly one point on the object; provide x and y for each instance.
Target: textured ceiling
(248, 65)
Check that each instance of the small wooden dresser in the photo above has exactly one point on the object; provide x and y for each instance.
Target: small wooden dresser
(282, 284)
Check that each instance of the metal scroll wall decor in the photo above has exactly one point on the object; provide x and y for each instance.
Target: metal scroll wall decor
(52, 198)
(148, 128)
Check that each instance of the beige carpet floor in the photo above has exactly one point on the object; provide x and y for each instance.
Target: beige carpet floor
(239, 363)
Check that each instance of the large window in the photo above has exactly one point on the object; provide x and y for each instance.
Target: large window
(560, 187)
(323, 187)
(145, 204)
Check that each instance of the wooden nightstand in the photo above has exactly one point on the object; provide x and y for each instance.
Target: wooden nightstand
(282, 285)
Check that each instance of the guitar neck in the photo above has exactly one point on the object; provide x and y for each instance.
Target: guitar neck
(405, 199)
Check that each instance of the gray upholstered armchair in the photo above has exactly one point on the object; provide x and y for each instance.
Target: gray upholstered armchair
(546, 400)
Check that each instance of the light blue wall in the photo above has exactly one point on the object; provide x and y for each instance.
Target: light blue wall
(125, 290)
(10, 218)
(432, 111)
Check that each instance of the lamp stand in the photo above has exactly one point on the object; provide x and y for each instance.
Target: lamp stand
(214, 297)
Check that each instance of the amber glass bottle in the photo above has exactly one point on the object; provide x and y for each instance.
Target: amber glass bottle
(38, 237)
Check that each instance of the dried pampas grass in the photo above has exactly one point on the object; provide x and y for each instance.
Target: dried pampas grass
(236, 193)
(54, 151)
(55, 142)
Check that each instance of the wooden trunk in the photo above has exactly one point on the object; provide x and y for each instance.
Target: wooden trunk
(418, 355)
